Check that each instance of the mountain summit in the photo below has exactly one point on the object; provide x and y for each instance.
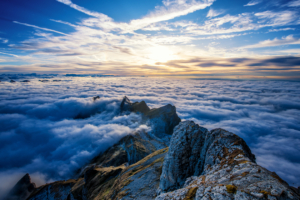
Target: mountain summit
(173, 160)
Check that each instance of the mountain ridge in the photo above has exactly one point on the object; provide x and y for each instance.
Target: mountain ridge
(173, 160)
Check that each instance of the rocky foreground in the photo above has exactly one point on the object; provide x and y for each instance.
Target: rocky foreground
(175, 160)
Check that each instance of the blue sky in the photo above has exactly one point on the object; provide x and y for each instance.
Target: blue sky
(210, 38)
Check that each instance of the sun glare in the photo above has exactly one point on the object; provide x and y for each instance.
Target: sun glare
(160, 54)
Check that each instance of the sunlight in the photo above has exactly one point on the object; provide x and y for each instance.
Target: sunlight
(160, 54)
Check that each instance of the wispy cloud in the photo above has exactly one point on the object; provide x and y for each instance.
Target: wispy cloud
(281, 29)
(9, 54)
(37, 27)
(3, 40)
(83, 10)
(253, 2)
(295, 3)
(288, 40)
(169, 10)
(213, 13)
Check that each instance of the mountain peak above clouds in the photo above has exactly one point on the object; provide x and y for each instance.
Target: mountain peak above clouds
(172, 160)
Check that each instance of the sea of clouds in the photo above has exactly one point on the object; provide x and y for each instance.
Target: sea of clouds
(41, 133)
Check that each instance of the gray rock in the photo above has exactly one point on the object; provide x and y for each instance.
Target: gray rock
(22, 189)
(216, 164)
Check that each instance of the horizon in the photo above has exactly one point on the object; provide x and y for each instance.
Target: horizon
(248, 39)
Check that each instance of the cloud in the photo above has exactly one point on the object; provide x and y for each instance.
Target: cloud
(169, 10)
(294, 3)
(288, 40)
(213, 13)
(42, 132)
(51, 138)
(37, 27)
(253, 2)
(83, 10)
(9, 54)
(282, 29)
(3, 40)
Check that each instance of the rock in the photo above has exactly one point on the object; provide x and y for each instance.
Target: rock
(25, 81)
(133, 148)
(129, 149)
(127, 106)
(22, 189)
(162, 121)
(12, 81)
(138, 181)
(95, 98)
(44, 80)
(218, 165)
(58, 190)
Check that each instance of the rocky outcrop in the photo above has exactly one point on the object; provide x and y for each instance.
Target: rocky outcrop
(198, 164)
(133, 148)
(22, 189)
(163, 120)
(216, 164)
(58, 190)
(127, 105)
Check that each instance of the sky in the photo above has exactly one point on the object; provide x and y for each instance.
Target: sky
(237, 39)
(40, 134)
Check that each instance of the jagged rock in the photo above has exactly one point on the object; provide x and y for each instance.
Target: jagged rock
(138, 181)
(133, 148)
(97, 180)
(140, 107)
(22, 189)
(58, 190)
(224, 168)
(129, 149)
(95, 98)
(162, 121)
(44, 80)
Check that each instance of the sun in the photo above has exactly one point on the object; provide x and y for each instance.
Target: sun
(160, 54)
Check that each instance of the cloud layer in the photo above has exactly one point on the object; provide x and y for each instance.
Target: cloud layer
(41, 135)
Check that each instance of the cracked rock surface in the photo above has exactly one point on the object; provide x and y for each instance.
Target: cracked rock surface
(216, 164)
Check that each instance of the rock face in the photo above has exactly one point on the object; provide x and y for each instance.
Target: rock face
(127, 105)
(216, 165)
(58, 190)
(133, 148)
(22, 189)
(198, 164)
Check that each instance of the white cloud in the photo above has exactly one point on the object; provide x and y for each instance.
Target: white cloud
(288, 40)
(37, 27)
(253, 2)
(83, 10)
(213, 13)
(3, 40)
(295, 3)
(9, 54)
(170, 10)
(277, 18)
(282, 29)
